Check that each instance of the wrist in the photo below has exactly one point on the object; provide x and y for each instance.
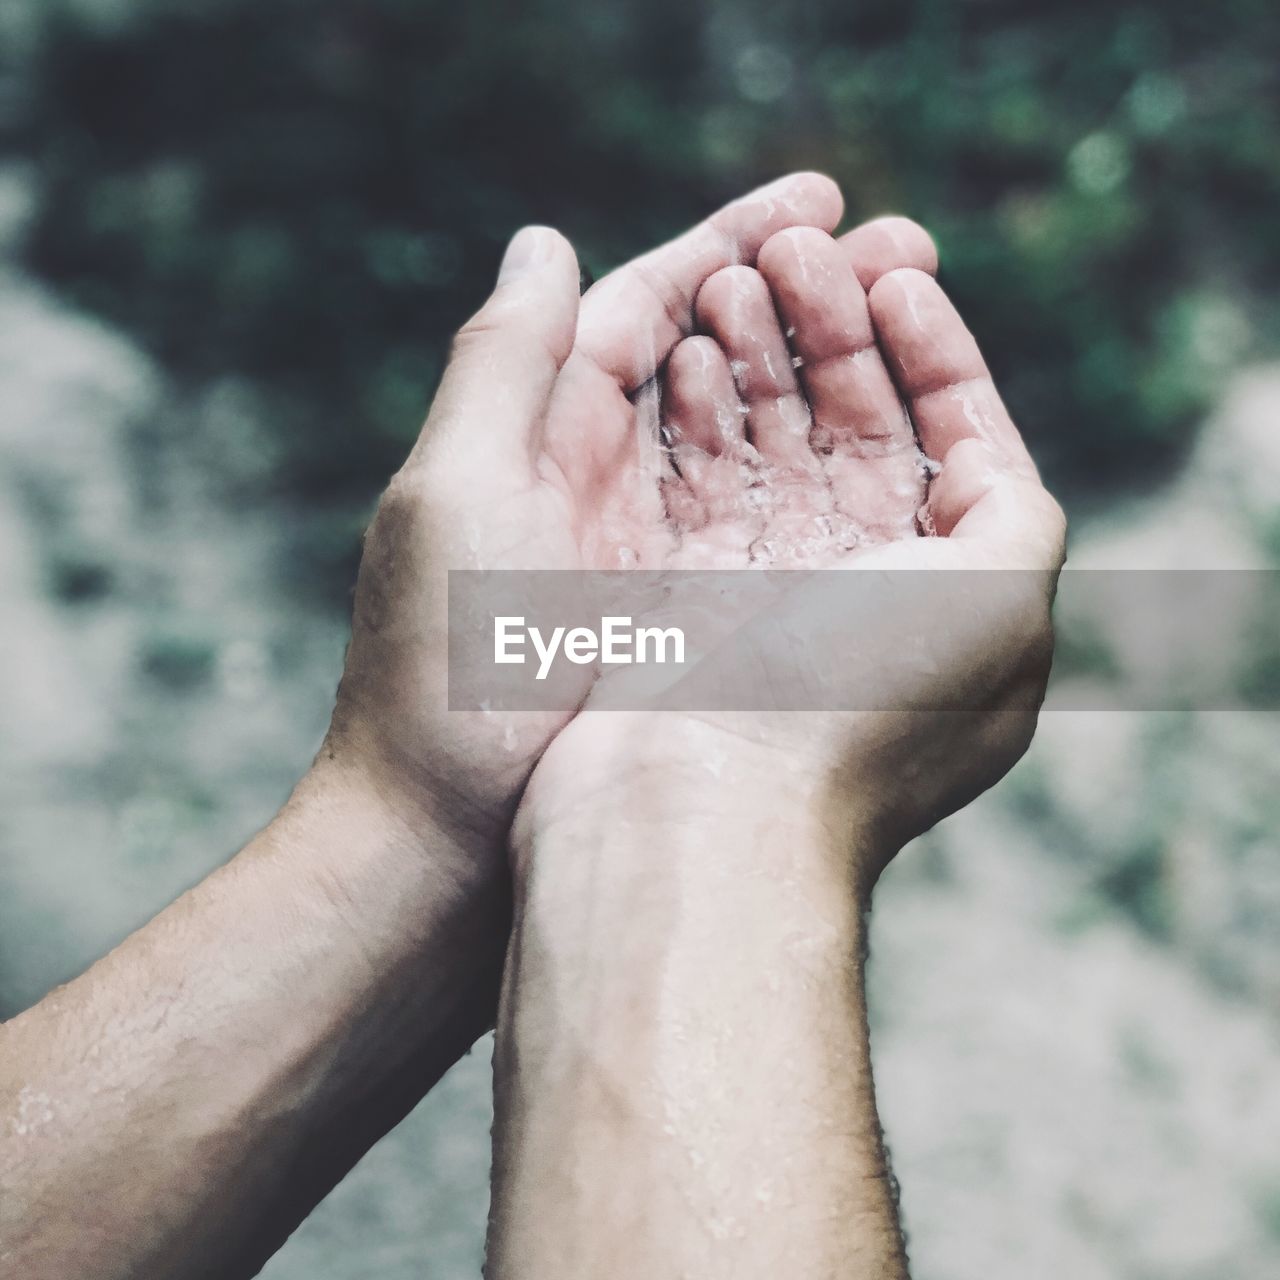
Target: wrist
(381, 861)
(654, 783)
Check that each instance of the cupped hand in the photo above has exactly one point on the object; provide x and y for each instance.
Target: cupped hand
(533, 457)
(812, 425)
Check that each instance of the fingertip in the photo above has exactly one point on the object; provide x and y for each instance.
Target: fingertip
(918, 248)
(790, 243)
(922, 335)
(901, 283)
(701, 401)
(885, 244)
(813, 199)
(911, 243)
(725, 289)
(824, 196)
(693, 354)
(535, 248)
(537, 289)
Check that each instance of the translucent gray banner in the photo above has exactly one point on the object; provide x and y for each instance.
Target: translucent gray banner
(852, 640)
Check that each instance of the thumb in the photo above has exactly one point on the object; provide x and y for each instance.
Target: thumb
(506, 358)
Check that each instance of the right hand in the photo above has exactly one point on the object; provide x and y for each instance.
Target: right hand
(934, 698)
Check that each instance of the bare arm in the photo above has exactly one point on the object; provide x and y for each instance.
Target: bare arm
(179, 1108)
(684, 1074)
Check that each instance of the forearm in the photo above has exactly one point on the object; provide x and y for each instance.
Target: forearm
(178, 1109)
(683, 1081)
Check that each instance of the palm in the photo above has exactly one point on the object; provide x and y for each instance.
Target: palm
(785, 436)
(588, 492)
(775, 437)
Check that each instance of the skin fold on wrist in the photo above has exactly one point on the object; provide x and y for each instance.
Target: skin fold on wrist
(686, 775)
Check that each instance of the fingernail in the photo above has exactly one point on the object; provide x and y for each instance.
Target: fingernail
(530, 248)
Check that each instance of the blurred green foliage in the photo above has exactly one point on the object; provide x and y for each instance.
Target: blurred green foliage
(313, 193)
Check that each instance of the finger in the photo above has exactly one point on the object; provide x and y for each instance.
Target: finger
(979, 495)
(707, 420)
(736, 308)
(701, 408)
(850, 394)
(971, 469)
(1022, 523)
(988, 487)
(939, 369)
(506, 359)
(633, 317)
(885, 244)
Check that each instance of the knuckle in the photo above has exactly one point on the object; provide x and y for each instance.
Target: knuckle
(503, 332)
(476, 332)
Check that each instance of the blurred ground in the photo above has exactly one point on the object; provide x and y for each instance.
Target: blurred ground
(1076, 983)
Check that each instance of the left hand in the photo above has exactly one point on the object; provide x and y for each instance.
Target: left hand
(529, 460)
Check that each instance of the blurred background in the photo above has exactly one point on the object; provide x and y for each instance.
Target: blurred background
(235, 236)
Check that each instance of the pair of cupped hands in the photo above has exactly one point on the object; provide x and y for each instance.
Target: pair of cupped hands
(832, 379)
